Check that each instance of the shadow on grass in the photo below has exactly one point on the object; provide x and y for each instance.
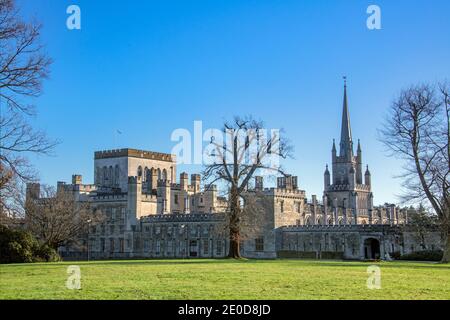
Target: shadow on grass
(383, 264)
(170, 262)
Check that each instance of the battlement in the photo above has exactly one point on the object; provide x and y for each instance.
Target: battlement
(180, 217)
(110, 197)
(341, 228)
(284, 191)
(134, 153)
(345, 187)
(149, 197)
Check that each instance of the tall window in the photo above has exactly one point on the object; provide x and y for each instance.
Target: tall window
(111, 176)
(144, 179)
(282, 205)
(219, 247)
(139, 171)
(98, 175)
(259, 244)
(205, 246)
(116, 175)
(122, 245)
(158, 247)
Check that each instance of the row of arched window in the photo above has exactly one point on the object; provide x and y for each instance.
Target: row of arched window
(146, 174)
(107, 176)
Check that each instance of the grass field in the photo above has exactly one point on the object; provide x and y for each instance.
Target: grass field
(225, 279)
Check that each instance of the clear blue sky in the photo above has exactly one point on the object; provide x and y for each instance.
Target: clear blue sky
(149, 67)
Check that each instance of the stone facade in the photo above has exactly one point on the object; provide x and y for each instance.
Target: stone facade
(148, 214)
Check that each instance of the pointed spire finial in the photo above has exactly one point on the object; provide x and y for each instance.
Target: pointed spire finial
(346, 144)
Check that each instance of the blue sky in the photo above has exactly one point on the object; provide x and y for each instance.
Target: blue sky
(149, 67)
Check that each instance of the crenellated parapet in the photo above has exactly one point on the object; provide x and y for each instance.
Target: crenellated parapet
(116, 153)
(190, 217)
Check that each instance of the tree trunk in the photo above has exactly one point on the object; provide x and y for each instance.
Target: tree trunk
(235, 235)
(446, 240)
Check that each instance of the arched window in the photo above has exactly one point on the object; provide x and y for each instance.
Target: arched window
(116, 175)
(149, 178)
(98, 175)
(105, 176)
(164, 175)
(111, 176)
(159, 174)
(139, 171)
(144, 179)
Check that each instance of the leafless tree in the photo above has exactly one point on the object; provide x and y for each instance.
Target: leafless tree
(23, 67)
(23, 62)
(244, 149)
(418, 131)
(56, 218)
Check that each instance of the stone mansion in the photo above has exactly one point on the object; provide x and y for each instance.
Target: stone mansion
(153, 213)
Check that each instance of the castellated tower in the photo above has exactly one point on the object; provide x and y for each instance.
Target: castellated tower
(134, 203)
(348, 198)
(164, 199)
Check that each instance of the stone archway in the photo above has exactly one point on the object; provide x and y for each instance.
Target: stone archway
(372, 249)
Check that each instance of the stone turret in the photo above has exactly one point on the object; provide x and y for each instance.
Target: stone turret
(327, 178)
(359, 164)
(77, 179)
(134, 202)
(367, 179)
(33, 191)
(184, 181)
(195, 182)
(287, 182)
(164, 199)
(352, 177)
(153, 179)
(259, 183)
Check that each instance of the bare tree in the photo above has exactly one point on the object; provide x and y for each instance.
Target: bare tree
(244, 149)
(23, 63)
(56, 218)
(418, 131)
(23, 67)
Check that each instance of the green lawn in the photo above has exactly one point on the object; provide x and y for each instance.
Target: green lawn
(225, 279)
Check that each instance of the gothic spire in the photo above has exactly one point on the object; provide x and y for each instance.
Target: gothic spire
(346, 145)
